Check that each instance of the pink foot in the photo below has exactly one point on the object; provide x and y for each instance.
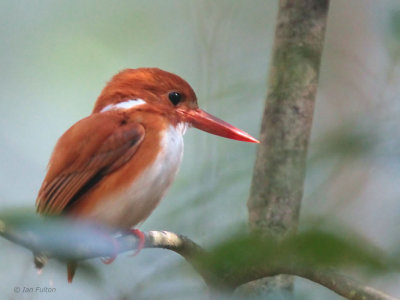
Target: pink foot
(140, 235)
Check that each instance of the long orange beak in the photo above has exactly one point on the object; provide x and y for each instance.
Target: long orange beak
(204, 121)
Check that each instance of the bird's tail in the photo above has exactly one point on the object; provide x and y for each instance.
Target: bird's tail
(71, 268)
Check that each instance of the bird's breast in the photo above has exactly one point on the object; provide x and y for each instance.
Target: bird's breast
(134, 202)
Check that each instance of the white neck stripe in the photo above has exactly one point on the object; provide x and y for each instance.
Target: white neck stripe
(124, 105)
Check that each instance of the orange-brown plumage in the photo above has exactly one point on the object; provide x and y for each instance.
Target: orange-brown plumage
(102, 143)
(144, 83)
(116, 182)
(115, 165)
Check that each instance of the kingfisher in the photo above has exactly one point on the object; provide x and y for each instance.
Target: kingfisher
(114, 166)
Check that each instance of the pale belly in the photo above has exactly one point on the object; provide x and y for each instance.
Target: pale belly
(135, 203)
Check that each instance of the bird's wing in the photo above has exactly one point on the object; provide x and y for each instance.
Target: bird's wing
(90, 149)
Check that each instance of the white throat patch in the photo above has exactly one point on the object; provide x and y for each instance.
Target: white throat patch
(124, 105)
(182, 127)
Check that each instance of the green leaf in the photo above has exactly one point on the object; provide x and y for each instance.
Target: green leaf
(309, 250)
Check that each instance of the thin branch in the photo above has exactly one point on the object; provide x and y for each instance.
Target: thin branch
(343, 285)
(86, 241)
(185, 247)
(339, 283)
(82, 248)
(228, 281)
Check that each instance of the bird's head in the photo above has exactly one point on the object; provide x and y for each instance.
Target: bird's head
(167, 93)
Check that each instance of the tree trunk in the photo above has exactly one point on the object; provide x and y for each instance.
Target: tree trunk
(278, 178)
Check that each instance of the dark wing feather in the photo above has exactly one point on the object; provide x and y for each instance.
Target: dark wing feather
(90, 149)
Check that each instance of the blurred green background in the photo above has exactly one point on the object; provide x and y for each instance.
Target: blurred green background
(56, 56)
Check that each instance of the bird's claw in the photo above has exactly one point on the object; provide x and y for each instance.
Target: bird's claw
(109, 260)
(136, 232)
(140, 235)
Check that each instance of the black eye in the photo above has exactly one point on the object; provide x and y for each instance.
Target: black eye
(175, 98)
